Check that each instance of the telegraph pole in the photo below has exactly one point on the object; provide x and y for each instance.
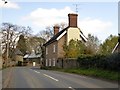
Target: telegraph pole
(7, 48)
(7, 41)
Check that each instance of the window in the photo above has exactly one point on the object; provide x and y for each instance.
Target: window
(53, 48)
(46, 62)
(53, 61)
(46, 50)
(49, 62)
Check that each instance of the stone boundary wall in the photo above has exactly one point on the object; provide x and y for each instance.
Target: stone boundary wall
(67, 63)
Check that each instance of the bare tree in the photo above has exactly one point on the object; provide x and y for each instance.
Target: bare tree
(92, 45)
(9, 34)
(46, 34)
(62, 25)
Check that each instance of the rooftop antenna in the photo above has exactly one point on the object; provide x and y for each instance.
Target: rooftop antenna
(76, 7)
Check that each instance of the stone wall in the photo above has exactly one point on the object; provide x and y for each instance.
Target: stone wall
(67, 63)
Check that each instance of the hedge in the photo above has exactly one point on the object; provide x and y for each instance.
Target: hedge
(109, 62)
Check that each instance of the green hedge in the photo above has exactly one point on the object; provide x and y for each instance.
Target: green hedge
(109, 62)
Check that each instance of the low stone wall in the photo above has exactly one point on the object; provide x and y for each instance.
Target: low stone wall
(67, 63)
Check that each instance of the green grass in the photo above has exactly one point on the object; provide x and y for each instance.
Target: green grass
(103, 74)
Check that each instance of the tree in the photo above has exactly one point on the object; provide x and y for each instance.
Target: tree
(9, 34)
(109, 44)
(61, 25)
(48, 32)
(74, 49)
(35, 43)
(21, 45)
(92, 45)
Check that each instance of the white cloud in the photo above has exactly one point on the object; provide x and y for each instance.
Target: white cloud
(47, 17)
(9, 5)
(94, 26)
(42, 18)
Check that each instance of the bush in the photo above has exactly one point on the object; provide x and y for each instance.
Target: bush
(109, 62)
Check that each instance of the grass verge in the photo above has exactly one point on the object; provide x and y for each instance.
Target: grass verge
(98, 73)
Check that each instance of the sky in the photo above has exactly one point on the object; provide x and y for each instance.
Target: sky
(97, 18)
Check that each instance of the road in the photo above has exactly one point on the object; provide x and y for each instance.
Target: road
(26, 77)
(0, 79)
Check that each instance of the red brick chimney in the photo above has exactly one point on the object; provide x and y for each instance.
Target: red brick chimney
(56, 29)
(72, 18)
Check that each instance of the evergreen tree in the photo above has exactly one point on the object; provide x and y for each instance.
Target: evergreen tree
(21, 45)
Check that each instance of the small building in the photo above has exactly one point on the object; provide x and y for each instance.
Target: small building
(32, 59)
(18, 57)
(54, 47)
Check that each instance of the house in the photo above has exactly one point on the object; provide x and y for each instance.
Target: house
(18, 57)
(32, 59)
(117, 46)
(54, 47)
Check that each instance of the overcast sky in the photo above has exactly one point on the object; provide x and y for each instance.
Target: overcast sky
(98, 18)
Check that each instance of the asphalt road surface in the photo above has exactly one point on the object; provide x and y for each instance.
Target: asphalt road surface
(0, 79)
(26, 77)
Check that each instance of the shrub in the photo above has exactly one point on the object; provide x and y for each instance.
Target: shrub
(109, 62)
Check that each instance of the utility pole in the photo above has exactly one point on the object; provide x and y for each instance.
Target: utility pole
(1, 63)
(7, 42)
(7, 47)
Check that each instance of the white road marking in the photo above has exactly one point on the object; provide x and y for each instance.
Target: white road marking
(51, 77)
(36, 71)
(69, 87)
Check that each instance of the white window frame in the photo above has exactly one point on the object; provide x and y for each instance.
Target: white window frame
(54, 48)
(46, 62)
(54, 62)
(49, 62)
(46, 50)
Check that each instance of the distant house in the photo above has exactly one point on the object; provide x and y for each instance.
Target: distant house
(29, 59)
(18, 57)
(54, 47)
(117, 46)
